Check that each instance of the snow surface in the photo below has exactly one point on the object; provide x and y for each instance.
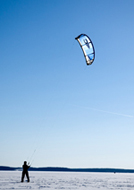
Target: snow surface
(67, 180)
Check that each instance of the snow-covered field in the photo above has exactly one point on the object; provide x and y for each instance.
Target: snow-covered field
(67, 180)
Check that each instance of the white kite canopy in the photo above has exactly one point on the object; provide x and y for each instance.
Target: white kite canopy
(87, 47)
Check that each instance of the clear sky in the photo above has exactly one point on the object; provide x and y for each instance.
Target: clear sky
(54, 109)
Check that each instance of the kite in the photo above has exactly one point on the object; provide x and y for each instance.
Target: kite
(87, 48)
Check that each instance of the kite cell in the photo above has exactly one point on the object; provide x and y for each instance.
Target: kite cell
(87, 47)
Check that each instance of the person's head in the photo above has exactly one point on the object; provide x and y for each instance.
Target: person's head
(25, 162)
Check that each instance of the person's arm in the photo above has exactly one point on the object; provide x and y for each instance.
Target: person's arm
(29, 165)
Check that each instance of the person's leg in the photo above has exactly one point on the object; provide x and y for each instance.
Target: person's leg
(22, 178)
(27, 177)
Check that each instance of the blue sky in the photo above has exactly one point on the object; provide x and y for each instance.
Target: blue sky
(55, 110)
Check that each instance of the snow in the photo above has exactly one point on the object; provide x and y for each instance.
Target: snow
(67, 180)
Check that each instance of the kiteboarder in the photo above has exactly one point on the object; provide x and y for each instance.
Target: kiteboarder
(25, 172)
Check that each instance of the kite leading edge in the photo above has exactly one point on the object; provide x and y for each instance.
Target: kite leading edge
(87, 48)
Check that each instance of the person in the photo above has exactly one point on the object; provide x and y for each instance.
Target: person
(25, 172)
